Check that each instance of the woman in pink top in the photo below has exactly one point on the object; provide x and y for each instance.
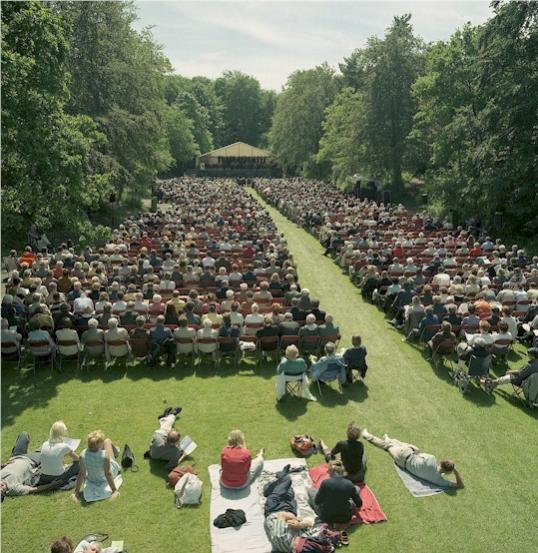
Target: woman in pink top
(238, 469)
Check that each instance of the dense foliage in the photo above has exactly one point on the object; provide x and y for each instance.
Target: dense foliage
(462, 114)
(91, 108)
(91, 111)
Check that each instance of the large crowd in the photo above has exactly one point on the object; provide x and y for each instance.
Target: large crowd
(209, 275)
(456, 290)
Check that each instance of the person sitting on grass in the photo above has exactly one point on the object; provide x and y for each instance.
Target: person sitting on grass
(355, 359)
(238, 469)
(351, 452)
(516, 378)
(292, 366)
(422, 465)
(99, 470)
(53, 452)
(329, 362)
(20, 475)
(336, 498)
(165, 441)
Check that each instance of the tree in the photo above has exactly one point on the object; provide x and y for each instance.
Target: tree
(477, 108)
(299, 114)
(46, 152)
(384, 72)
(117, 80)
(183, 146)
(342, 143)
(242, 108)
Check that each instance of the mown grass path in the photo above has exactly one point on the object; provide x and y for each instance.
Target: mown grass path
(493, 441)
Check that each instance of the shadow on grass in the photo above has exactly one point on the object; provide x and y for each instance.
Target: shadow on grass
(517, 402)
(291, 407)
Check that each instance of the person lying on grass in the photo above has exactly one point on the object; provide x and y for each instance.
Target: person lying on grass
(422, 465)
(20, 475)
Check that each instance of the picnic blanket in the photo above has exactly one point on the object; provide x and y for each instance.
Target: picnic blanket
(250, 537)
(417, 486)
(369, 513)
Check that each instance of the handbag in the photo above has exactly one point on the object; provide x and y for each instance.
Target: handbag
(128, 459)
(303, 445)
(177, 472)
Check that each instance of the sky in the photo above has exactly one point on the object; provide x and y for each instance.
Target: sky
(270, 40)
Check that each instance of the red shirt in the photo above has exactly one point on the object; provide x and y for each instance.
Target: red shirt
(235, 463)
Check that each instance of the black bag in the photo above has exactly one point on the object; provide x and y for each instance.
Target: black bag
(128, 459)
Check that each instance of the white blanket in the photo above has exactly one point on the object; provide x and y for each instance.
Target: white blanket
(250, 537)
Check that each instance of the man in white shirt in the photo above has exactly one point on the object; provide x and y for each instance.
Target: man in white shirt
(422, 465)
(80, 303)
(208, 262)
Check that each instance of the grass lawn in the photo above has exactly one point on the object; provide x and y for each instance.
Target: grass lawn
(489, 438)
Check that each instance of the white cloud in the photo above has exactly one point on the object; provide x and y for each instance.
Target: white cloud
(271, 39)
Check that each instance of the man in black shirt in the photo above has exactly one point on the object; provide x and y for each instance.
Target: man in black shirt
(351, 453)
(336, 498)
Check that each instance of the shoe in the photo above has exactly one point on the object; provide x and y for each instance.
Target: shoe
(176, 410)
(365, 434)
(147, 454)
(165, 413)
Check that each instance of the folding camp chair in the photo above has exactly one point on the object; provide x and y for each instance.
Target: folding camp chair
(332, 372)
(230, 349)
(443, 350)
(475, 370)
(267, 345)
(501, 349)
(288, 340)
(213, 353)
(117, 349)
(63, 345)
(309, 345)
(185, 347)
(12, 351)
(41, 351)
(528, 391)
(92, 350)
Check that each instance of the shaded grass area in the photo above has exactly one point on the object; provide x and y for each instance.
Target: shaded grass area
(492, 440)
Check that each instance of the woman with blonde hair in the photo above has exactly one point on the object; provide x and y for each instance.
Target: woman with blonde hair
(238, 469)
(53, 452)
(98, 469)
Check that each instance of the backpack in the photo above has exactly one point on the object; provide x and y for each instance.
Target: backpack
(177, 472)
(128, 459)
(303, 445)
(188, 490)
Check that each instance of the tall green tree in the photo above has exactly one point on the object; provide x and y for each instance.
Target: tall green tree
(299, 114)
(384, 72)
(117, 79)
(242, 107)
(478, 111)
(342, 145)
(45, 151)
